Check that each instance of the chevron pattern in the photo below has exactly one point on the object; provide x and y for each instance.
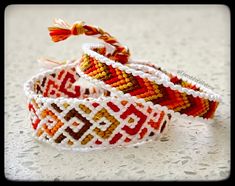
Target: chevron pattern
(150, 91)
(127, 83)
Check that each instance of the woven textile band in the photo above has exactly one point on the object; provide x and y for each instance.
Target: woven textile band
(171, 93)
(71, 117)
(129, 102)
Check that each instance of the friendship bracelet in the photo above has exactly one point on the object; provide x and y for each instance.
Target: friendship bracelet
(171, 93)
(177, 95)
(71, 117)
(132, 102)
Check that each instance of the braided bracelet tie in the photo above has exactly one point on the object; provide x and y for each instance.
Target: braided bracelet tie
(131, 103)
(62, 30)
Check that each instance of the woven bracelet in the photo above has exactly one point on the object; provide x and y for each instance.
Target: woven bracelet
(168, 92)
(71, 117)
(132, 102)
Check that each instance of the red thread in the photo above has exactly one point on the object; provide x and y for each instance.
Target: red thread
(98, 142)
(132, 110)
(115, 138)
(143, 132)
(113, 106)
(95, 104)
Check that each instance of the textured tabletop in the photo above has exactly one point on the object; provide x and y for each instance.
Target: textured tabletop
(193, 39)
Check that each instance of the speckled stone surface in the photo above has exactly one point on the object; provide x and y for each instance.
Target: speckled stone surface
(195, 39)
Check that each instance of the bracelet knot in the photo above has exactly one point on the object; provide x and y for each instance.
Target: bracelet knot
(77, 28)
(62, 30)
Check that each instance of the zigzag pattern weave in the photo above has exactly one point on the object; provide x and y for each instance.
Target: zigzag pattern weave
(135, 85)
(88, 122)
(149, 90)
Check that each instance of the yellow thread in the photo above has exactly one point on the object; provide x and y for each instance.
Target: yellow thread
(131, 120)
(88, 138)
(65, 105)
(79, 28)
(39, 132)
(70, 142)
(85, 109)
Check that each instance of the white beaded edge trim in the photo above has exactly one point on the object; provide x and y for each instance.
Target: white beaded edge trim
(149, 69)
(28, 89)
(184, 78)
(207, 95)
(88, 149)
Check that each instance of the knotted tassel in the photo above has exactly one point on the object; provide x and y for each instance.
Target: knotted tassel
(62, 30)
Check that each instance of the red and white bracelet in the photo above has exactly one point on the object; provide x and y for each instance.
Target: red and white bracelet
(71, 117)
